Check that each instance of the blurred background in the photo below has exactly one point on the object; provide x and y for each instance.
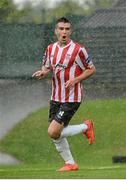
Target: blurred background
(27, 27)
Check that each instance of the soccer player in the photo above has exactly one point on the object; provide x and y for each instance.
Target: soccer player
(69, 64)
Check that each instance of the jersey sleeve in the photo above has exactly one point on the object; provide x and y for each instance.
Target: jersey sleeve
(46, 58)
(84, 59)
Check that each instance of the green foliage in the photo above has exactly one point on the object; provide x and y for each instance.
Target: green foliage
(29, 142)
(5, 8)
(64, 8)
(105, 4)
(9, 13)
(74, 8)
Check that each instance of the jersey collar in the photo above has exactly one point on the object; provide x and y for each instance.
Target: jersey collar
(69, 42)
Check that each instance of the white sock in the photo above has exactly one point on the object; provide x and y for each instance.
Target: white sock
(71, 130)
(62, 147)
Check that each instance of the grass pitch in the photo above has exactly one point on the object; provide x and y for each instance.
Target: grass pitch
(28, 141)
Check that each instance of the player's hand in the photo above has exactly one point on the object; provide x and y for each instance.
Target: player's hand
(70, 83)
(38, 74)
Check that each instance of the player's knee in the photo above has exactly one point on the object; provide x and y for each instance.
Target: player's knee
(53, 134)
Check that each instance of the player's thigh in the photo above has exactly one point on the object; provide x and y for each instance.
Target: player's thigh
(66, 112)
(54, 108)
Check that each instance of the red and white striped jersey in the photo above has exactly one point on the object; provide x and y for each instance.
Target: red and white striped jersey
(66, 63)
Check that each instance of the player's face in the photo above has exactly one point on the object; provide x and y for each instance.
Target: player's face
(63, 32)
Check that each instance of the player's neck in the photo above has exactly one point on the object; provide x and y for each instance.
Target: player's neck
(62, 44)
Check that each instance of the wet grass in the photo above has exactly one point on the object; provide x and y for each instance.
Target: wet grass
(49, 172)
(28, 142)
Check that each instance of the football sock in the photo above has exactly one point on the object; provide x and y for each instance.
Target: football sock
(62, 147)
(71, 130)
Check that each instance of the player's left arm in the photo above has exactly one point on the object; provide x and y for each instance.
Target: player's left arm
(85, 75)
(84, 61)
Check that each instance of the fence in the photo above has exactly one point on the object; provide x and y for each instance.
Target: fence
(105, 36)
(22, 46)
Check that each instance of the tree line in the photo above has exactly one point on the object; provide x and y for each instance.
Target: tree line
(44, 14)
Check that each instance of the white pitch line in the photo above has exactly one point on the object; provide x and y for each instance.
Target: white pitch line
(40, 169)
(104, 167)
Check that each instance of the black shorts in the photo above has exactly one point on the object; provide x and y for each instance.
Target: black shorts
(62, 112)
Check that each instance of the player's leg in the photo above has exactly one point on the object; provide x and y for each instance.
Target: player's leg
(63, 148)
(61, 144)
(55, 129)
(86, 128)
(61, 118)
(60, 114)
(72, 130)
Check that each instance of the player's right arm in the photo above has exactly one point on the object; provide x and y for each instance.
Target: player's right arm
(45, 66)
(41, 73)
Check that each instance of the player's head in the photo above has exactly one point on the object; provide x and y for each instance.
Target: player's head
(62, 19)
(63, 30)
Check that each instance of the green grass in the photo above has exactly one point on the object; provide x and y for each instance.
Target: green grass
(28, 141)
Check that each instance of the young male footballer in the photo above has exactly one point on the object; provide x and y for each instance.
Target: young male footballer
(69, 64)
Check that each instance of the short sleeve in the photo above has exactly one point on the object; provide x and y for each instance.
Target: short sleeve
(84, 59)
(46, 58)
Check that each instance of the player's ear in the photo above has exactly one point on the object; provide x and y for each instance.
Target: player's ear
(55, 31)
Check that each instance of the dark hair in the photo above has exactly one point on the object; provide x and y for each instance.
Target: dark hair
(62, 19)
